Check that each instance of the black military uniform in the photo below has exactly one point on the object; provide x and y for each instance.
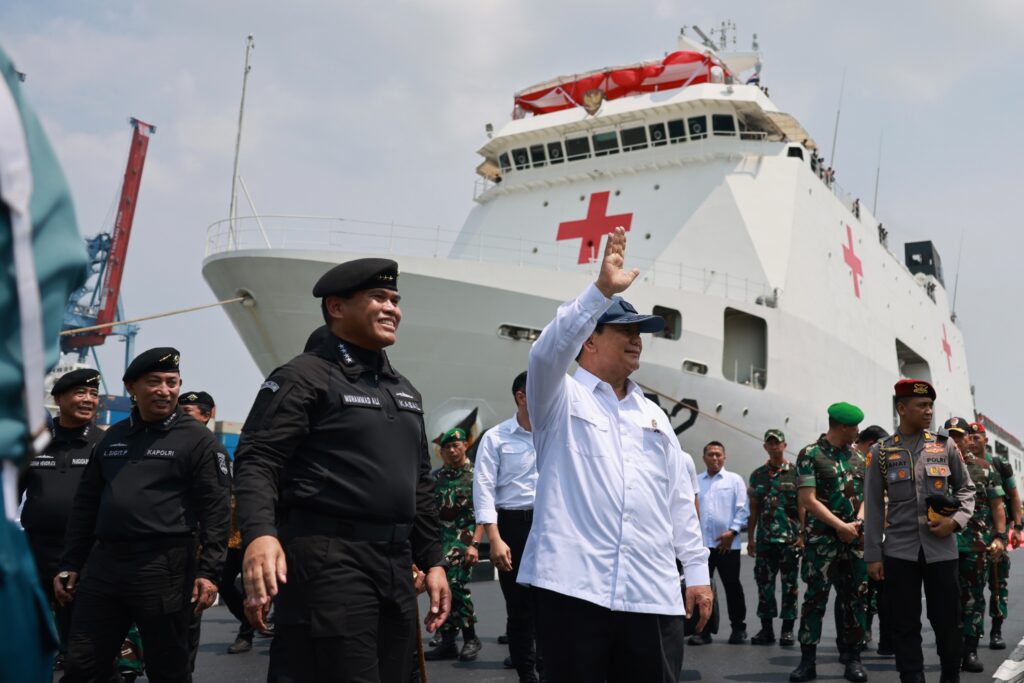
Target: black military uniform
(146, 490)
(49, 484)
(333, 461)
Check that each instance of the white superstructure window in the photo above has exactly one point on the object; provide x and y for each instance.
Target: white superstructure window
(745, 349)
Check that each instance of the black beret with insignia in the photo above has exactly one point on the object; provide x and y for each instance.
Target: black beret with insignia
(160, 359)
(196, 398)
(85, 377)
(353, 276)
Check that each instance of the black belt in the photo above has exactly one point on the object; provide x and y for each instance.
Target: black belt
(522, 515)
(298, 522)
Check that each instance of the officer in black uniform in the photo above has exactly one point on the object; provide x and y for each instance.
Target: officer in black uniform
(335, 495)
(153, 480)
(51, 479)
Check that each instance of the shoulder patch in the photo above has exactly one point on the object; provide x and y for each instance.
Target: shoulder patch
(270, 384)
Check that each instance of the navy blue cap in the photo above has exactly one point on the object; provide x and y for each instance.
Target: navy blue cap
(624, 313)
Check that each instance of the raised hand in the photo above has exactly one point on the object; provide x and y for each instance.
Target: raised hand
(613, 277)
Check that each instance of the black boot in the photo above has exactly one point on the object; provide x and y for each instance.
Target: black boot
(914, 677)
(996, 641)
(766, 636)
(786, 637)
(445, 650)
(970, 662)
(739, 634)
(854, 669)
(805, 671)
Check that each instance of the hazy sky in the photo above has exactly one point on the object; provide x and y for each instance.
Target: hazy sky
(374, 110)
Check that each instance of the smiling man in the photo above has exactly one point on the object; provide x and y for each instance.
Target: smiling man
(154, 480)
(335, 497)
(615, 502)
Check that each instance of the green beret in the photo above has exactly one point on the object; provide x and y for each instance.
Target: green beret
(846, 413)
(456, 434)
(775, 434)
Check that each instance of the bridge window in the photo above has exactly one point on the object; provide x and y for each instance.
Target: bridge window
(537, 156)
(519, 157)
(723, 124)
(673, 322)
(504, 162)
(698, 127)
(577, 148)
(606, 143)
(555, 153)
(634, 138)
(657, 134)
(910, 363)
(677, 131)
(795, 152)
(745, 349)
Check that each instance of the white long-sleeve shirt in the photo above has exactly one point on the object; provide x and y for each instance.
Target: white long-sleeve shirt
(505, 471)
(614, 506)
(724, 505)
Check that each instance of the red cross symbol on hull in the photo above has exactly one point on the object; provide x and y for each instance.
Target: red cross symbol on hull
(596, 225)
(947, 349)
(852, 260)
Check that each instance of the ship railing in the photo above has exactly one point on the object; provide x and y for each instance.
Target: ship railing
(322, 233)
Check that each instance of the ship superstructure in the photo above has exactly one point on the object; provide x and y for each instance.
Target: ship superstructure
(780, 290)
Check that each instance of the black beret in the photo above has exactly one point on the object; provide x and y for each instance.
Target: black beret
(84, 377)
(160, 359)
(352, 276)
(196, 398)
(316, 338)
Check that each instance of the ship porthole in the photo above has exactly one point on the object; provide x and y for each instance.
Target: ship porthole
(718, 408)
(746, 411)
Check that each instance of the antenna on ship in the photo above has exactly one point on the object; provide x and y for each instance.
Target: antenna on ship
(249, 45)
(878, 172)
(708, 43)
(956, 283)
(835, 132)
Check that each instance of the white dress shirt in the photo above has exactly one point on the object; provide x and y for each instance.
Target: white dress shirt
(614, 504)
(723, 505)
(505, 471)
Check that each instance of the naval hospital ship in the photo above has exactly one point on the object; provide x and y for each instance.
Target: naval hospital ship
(780, 291)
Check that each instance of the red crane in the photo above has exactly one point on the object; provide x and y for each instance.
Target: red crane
(109, 256)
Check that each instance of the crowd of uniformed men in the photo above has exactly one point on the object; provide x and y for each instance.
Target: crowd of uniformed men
(594, 515)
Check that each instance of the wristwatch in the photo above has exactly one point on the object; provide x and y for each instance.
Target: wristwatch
(476, 544)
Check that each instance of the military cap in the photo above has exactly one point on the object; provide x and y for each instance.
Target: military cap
(160, 359)
(957, 424)
(196, 398)
(941, 505)
(622, 312)
(872, 433)
(83, 377)
(977, 428)
(352, 276)
(913, 387)
(455, 434)
(846, 413)
(316, 338)
(775, 434)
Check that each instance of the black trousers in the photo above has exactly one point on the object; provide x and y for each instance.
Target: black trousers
(233, 598)
(583, 642)
(346, 614)
(728, 567)
(46, 551)
(121, 585)
(903, 581)
(514, 526)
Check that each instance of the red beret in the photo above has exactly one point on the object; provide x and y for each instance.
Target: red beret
(913, 387)
(977, 428)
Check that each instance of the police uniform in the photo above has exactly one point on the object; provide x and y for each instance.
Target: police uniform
(973, 545)
(837, 476)
(333, 461)
(909, 468)
(49, 484)
(144, 493)
(774, 489)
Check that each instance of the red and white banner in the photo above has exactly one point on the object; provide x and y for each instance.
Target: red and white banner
(675, 71)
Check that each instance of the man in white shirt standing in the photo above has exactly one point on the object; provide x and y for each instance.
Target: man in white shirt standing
(614, 506)
(724, 509)
(503, 492)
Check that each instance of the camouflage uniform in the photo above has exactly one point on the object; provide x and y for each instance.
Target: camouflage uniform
(999, 572)
(454, 493)
(972, 544)
(837, 476)
(778, 528)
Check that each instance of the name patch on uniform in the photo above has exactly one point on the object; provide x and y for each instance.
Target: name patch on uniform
(79, 461)
(408, 405)
(43, 463)
(115, 453)
(160, 453)
(359, 400)
(935, 459)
